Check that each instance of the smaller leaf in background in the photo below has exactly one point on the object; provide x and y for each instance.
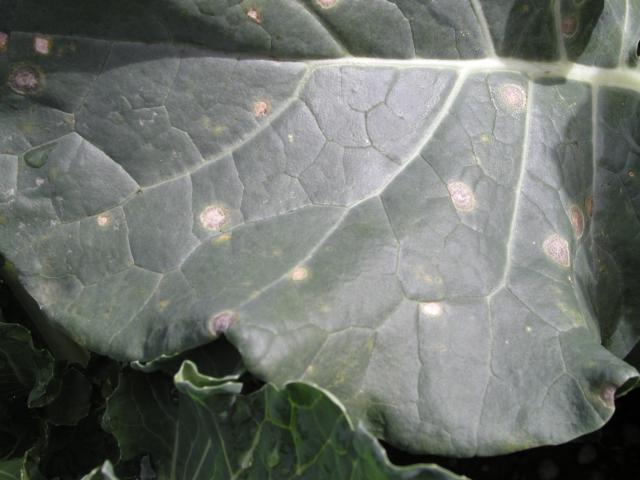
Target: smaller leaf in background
(215, 432)
(24, 369)
(216, 359)
(73, 402)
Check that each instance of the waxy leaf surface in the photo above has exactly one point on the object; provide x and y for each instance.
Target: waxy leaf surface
(428, 208)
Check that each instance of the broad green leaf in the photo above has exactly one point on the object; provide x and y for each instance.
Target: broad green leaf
(428, 208)
(211, 431)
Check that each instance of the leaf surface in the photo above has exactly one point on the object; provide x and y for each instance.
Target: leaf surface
(211, 431)
(430, 211)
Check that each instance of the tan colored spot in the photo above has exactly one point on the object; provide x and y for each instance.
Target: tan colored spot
(24, 80)
(4, 41)
(290, 138)
(299, 274)
(528, 329)
(461, 196)
(557, 248)
(608, 395)
(213, 218)
(588, 205)
(512, 97)
(221, 322)
(431, 309)
(102, 220)
(631, 173)
(42, 45)
(162, 305)
(577, 221)
(569, 26)
(260, 108)
(326, 3)
(254, 15)
(485, 138)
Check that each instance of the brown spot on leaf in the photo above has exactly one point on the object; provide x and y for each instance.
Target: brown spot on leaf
(588, 205)
(557, 248)
(24, 80)
(213, 217)
(631, 173)
(42, 45)
(299, 274)
(461, 196)
(4, 41)
(569, 26)
(102, 220)
(608, 395)
(254, 15)
(576, 218)
(221, 322)
(261, 108)
(512, 98)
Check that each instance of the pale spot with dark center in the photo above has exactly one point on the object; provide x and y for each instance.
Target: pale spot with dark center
(326, 3)
(221, 322)
(512, 97)
(299, 274)
(24, 80)
(213, 218)
(431, 309)
(260, 108)
(42, 45)
(461, 196)
(254, 15)
(557, 249)
(576, 217)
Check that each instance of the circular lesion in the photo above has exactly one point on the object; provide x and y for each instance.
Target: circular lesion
(25, 79)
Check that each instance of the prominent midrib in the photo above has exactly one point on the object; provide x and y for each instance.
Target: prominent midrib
(608, 77)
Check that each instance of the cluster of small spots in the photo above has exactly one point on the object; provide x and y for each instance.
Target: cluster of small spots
(576, 218)
(213, 218)
(299, 274)
(557, 248)
(260, 108)
(4, 41)
(588, 205)
(102, 220)
(24, 80)
(569, 26)
(461, 196)
(42, 45)
(326, 3)
(431, 309)
(221, 322)
(512, 98)
(254, 15)
(608, 396)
